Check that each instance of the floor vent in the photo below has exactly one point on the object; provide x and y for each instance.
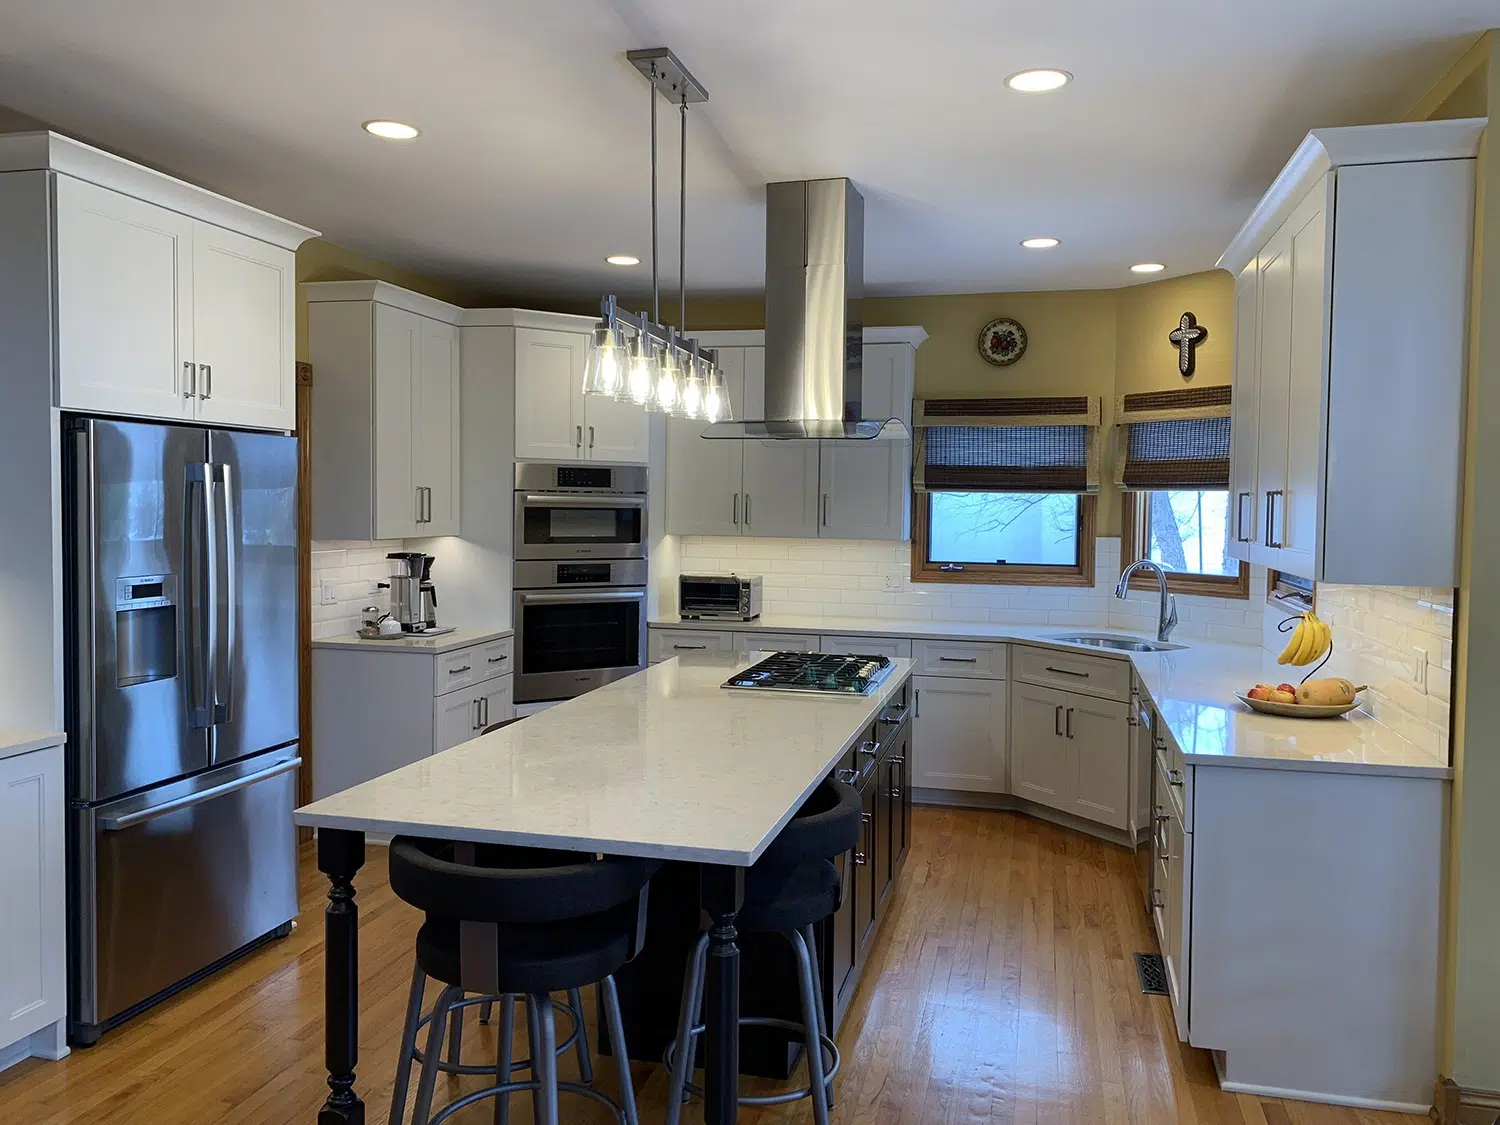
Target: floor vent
(1153, 973)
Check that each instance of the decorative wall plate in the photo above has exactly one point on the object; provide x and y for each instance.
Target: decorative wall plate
(1002, 341)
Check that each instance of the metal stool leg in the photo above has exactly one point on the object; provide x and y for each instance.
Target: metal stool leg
(485, 1011)
(810, 938)
(622, 1056)
(504, 1057)
(817, 1085)
(423, 1111)
(455, 1034)
(408, 1044)
(544, 1063)
(585, 1064)
(687, 1019)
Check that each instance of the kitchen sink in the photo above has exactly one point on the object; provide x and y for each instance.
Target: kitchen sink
(1114, 641)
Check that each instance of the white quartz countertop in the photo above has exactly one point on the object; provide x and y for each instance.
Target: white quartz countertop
(1193, 690)
(13, 742)
(665, 764)
(416, 642)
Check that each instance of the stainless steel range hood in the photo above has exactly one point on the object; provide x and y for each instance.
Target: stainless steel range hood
(815, 269)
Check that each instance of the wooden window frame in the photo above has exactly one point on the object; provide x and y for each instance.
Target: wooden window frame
(1004, 574)
(1132, 548)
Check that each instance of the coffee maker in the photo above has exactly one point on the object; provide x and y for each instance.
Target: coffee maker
(413, 596)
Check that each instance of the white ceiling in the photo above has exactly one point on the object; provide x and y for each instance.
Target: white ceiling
(532, 164)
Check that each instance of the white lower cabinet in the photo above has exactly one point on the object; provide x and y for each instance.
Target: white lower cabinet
(33, 981)
(1071, 752)
(777, 642)
(958, 734)
(378, 709)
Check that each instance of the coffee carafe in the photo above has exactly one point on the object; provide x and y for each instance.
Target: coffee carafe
(429, 594)
(405, 585)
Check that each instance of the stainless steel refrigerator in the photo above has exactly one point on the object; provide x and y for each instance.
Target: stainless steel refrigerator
(182, 706)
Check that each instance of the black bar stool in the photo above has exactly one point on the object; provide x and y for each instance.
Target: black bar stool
(790, 888)
(528, 930)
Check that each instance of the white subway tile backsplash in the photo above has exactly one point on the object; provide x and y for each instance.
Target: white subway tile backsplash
(353, 568)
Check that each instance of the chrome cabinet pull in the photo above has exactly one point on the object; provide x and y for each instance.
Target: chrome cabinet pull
(688, 648)
(869, 749)
(747, 509)
(1068, 721)
(417, 492)
(917, 701)
(894, 720)
(847, 776)
(1175, 777)
(825, 509)
(1239, 517)
(959, 659)
(476, 724)
(591, 437)
(736, 509)
(1068, 672)
(208, 381)
(1271, 499)
(1057, 720)
(189, 381)
(578, 441)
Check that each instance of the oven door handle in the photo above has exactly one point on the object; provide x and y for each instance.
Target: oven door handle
(568, 500)
(530, 597)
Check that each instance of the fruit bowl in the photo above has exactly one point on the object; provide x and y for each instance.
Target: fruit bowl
(1296, 710)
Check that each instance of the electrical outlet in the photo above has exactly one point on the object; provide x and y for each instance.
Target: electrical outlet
(327, 592)
(893, 582)
(1419, 673)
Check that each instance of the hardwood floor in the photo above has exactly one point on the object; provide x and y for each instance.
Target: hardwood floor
(1002, 990)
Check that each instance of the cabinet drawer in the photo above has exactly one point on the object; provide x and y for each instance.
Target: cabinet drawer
(667, 643)
(466, 666)
(865, 646)
(1174, 793)
(1091, 675)
(776, 642)
(980, 661)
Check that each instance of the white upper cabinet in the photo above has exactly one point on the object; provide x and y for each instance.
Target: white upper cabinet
(1351, 308)
(124, 304)
(243, 330)
(172, 302)
(386, 409)
(555, 420)
(796, 489)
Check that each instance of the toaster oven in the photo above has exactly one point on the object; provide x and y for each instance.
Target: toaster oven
(726, 597)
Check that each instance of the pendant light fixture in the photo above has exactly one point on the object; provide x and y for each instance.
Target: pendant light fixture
(634, 357)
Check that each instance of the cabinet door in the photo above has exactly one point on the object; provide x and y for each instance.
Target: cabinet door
(780, 482)
(124, 304)
(1098, 734)
(496, 704)
(865, 486)
(549, 394)
(958, 734)
(898, 796)
(615, 431)
(33, 983)
(398, 359)
(1297, 512)
(704, 477)
(1044, 764)
(243, 329)
(1243, 493)
(435, 422)
(867, 896)
(1273, 392)
(457, 717)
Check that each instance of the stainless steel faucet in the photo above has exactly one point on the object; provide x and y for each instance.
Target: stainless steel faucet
(1167, 621)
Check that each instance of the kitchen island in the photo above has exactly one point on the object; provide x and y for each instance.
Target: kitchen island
(665, 765)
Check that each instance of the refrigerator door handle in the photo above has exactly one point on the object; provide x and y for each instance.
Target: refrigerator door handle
(227, 594)
(127, 820)
(200, 594)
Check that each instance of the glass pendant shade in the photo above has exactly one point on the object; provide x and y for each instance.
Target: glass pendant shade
(692, 394)
(667, 397)
(640, 377)
(716, 400)
(606, 365)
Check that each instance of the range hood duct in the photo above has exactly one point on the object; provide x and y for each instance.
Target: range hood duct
(815, 271)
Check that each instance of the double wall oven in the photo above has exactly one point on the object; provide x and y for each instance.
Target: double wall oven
(580, 578)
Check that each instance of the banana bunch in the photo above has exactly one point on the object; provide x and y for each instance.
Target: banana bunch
(1310, 640)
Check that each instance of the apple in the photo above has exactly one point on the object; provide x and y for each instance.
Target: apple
(1261, 691)
(1290, 689)
(1279, 696)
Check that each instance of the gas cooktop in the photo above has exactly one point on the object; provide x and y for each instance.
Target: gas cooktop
(814, 673)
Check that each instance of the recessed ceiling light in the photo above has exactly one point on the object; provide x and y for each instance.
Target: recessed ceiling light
(391, 130)
(1147, 267)
(623, 260)
(1039, 243)
(1038, 81)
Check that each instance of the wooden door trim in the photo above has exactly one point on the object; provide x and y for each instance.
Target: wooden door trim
(303, 435)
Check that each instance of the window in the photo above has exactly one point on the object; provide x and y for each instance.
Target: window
(1186, 532)
(1291, 592)
(1032, 538)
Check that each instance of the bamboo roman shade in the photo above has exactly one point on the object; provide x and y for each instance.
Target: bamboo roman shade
(1006, 444)
(1173, 439)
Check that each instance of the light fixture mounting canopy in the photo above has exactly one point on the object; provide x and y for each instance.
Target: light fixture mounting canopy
(665, 71)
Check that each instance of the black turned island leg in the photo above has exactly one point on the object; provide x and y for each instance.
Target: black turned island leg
(723, 892)
(340, 855)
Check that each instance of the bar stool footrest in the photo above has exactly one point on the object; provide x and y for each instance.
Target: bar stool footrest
(488, 1069)
(521, 1087)
(832, 1061)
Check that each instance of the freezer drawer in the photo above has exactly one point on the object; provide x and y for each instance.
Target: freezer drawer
(170, 881)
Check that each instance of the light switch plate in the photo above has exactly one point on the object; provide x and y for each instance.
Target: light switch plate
(1419, 674)
(893, 582)
(327, 592)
